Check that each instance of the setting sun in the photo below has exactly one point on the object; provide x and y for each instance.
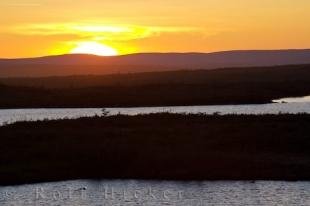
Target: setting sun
(94, 48)
(31, 28)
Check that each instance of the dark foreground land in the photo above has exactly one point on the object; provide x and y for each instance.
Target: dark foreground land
(157, 146)
(200, 87)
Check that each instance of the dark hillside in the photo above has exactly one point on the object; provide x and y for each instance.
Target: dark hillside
(224, 86)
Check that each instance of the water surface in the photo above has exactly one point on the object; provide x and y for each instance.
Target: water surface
(292, 99)
(156, 193)
(13, 115)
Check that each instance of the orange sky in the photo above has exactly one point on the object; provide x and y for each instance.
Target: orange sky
(44, 27)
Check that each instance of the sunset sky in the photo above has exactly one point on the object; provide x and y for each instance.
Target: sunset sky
(31, 28)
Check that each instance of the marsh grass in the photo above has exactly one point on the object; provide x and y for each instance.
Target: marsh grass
(157, 146)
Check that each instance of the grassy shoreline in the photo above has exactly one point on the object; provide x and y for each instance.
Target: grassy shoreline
(157, 146)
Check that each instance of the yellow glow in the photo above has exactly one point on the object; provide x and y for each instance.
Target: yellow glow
(32, 28)
(94, 48)
(85, 37)
(97, 31)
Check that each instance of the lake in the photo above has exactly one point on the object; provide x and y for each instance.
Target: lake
(8, 116)
(155, 193)
(293, 99)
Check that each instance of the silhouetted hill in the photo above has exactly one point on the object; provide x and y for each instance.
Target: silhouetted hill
(78, 64)
(175, 88)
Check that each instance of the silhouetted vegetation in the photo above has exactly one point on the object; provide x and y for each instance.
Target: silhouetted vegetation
(157, 146)
(223, 86)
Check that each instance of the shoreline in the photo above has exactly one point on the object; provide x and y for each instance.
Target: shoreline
(145, 106)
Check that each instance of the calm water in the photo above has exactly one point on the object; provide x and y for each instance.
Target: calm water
(14, 115)
(293, 99)
(155, 193)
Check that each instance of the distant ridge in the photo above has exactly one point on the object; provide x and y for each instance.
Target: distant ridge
(77, 64)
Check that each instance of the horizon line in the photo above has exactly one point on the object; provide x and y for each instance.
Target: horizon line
(140, 53)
